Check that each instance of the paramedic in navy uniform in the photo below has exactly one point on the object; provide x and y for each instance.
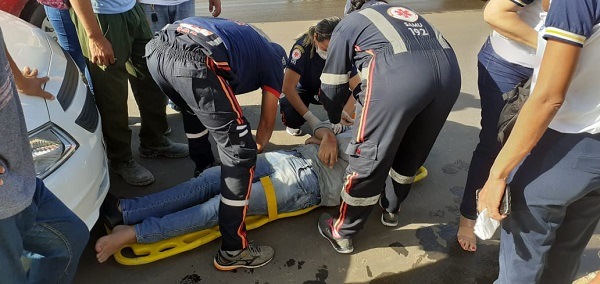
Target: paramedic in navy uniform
(201, 64)
(301, 81)
(410, 81)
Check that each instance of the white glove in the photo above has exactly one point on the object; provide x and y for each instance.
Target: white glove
(339, 128)
(346, 119)
(312, 120)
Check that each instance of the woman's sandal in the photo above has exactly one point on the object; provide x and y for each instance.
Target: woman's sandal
(466, 234)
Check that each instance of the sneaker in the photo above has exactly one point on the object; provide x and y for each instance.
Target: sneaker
(389, 219)
(294, 131)
(326, 229)
(132, 172)
(167, 149)
(168, 131)
(251, 257)
(198, 171)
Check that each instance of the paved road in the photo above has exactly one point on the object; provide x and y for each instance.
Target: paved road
(255, 11)
(422, 249)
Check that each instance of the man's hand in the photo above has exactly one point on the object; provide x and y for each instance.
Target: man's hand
(214, 6)
(31, 85)
(1, 172)
(101, 51)
(328, 150)
(312, 140)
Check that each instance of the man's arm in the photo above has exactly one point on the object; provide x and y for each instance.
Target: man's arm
(28, 82)
(101, 51)
(268, 112)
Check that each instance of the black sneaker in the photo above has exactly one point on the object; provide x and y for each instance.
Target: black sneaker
(389, 219)
(251, 257)
(110, 213)
(326, 229)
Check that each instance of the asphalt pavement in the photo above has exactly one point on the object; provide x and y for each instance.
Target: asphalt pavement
(422, 249)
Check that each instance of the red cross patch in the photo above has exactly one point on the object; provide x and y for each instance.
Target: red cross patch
(403, 14)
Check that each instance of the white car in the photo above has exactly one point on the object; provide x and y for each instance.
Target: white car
(65, 134)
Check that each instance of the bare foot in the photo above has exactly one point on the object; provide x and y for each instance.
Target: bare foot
(466, 234)
(111, 243)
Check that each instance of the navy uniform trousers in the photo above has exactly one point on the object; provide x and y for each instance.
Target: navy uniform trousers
(405, 99)
(289, 116)
(190, 76)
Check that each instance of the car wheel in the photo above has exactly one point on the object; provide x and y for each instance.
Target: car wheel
(34, 13)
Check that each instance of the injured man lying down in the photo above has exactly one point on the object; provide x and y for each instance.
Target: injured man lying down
(299, 178)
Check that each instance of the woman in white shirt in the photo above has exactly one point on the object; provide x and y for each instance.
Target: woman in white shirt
(506, 58)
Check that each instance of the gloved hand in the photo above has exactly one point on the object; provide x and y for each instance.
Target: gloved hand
(339, 128)
(346, 119)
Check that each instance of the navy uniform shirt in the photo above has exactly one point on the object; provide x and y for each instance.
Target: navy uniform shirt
(377, 26)
(239, 48)
(308, 66)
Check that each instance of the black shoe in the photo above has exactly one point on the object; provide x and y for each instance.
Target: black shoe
(132, 172)
(198, 171)
(340, 245)
(389, 219)
(167, 149)
(250, 257)
(109, 211)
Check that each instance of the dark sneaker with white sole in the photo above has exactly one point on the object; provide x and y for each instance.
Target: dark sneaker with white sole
(389, 219)
(343, 246)
(251, 257)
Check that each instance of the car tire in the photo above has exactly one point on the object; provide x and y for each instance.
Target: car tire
(34, 13)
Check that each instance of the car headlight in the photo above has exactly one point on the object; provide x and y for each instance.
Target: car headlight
(51, 147)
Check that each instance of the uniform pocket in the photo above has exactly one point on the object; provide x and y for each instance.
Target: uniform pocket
(587, 164)
(191, 82)
(362, 156)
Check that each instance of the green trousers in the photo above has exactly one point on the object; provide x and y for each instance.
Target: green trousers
(128, 33)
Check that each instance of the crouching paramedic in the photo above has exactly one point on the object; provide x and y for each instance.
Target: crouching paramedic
(410, 81)
(201, 64)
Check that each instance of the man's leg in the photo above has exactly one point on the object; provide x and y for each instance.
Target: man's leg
(148, 96)
(58, 235)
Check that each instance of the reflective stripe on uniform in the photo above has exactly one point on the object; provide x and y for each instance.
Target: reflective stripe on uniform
(334, 79)
(359, 201)
(196, 135)
(441, 39)
(386, 29)
(400, 178)
(234, 203)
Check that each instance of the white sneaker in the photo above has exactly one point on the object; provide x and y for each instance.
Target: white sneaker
(294, 131)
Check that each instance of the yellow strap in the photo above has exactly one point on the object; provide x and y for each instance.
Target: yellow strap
(271, 197)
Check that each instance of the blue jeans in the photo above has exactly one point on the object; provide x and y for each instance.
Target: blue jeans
(495, 77)
(67, 38)
(48, 229)
(555, 210)
(166, 14)
(194, 205)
